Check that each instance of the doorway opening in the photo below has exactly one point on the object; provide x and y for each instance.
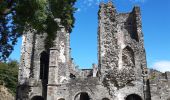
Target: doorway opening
(133, 97)
(84, 96)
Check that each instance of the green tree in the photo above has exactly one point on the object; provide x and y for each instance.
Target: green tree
(17, 15)
(9, 75)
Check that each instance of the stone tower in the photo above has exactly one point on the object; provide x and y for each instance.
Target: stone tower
(37, 64)
(121, 73)
(121, 53)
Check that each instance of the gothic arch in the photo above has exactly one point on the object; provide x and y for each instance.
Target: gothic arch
(133, 97)
(82, 96)
(128, 57)
(37, 98)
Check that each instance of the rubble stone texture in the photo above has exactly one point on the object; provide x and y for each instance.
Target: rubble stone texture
(159, 85)
(121, 72)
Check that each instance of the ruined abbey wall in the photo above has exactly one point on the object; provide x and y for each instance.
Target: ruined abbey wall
(121, 72)
(121, 53)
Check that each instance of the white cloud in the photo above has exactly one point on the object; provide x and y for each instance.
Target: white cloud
(161, 66)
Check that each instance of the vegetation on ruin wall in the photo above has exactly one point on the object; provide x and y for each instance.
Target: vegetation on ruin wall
(9, 75)
(17, 15)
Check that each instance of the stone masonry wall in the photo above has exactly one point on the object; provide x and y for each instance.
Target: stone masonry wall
(120, 50)
(121, 69)
(30, 83)
(159, 85)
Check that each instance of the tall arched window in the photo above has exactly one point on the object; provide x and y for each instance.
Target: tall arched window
(44, 63)
(44, 68)
(128, 57)
(133, 97)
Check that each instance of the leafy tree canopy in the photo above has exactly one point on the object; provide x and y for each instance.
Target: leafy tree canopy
(9, 75)
(17, 15)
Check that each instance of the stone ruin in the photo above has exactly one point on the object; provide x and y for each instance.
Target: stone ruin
(159, 85)
(121, 72)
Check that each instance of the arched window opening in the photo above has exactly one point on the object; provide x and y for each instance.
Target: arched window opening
(105, 99)
(133, 97)
(44, 68)
(84, 96)
(44, 62)
(128, 57)
(37, 98)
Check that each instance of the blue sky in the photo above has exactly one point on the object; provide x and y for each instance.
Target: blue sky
(156, 29)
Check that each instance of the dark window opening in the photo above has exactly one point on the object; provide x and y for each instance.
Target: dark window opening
(133, 97)
(44, 68)
(37, 98)
(84, 96)
(44, 62)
